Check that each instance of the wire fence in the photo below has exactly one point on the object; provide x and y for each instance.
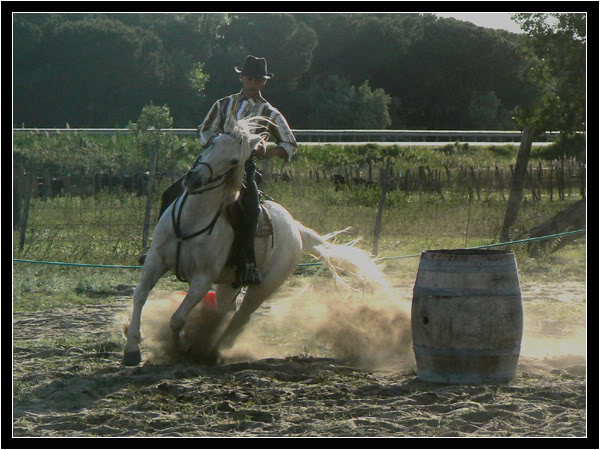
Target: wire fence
(97, 199)
(114, 215)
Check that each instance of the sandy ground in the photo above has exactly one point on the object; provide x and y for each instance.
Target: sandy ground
(309, 364)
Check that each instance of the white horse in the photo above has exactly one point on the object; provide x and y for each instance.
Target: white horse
(194, 238)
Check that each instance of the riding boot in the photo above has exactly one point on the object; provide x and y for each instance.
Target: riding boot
(246, 272)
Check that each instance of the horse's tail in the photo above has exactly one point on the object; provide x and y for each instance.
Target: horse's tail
(343, 259)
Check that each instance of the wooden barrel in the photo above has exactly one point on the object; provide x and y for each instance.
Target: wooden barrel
(467, 316)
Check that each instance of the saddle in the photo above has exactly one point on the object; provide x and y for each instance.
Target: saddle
(234, 214)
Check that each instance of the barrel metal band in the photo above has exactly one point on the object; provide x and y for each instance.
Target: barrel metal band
(426, 266)
(465, 352)
(466, 292)
(465, 378)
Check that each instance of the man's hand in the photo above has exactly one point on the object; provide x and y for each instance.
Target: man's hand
(260, 150)
(271, 152)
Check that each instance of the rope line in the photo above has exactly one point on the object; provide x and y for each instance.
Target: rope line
(502, 244)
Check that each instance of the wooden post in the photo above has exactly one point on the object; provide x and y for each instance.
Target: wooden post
(29, 179)
(500, 182)
(475, 182)
(383, 181)
(582, 180)
(540, 180)
(154, 157)
(407, 181)
(517, 180)
(550, 182)
(67, 185)
(569, 177)
(561, 180)
(47, 185)
(18, 183)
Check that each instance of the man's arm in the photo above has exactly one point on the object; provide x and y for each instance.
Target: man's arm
(283, 136)
(267, 152)
(211, 127)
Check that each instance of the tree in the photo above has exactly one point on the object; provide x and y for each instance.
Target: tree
(189, 40)
(335, 103)
(286, 43)
(98, 70)
(556, 52)
(447, 65)
(488, 112)
(89, 72)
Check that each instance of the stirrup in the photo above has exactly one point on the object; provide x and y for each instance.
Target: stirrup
(247, 275)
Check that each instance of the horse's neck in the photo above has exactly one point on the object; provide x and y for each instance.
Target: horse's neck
(198, 208)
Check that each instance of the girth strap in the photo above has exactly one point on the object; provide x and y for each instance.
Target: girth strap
(179, 234)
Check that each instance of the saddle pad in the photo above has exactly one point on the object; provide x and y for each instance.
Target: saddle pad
(264, 227)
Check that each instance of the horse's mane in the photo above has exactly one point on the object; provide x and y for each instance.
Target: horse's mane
(242, 131)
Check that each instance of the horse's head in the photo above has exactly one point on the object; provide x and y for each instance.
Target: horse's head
(225, 157)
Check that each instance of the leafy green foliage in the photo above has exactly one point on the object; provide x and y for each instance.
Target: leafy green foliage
(335, 102)
(360, 70)
(567, 147)
(556, 53)
(71, 152)
(197, 78)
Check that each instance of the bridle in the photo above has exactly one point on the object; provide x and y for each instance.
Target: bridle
(176, 219)
(211, 179)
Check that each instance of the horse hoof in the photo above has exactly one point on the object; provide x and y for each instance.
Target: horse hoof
(182, 345)
(213, 358)
(132, 358)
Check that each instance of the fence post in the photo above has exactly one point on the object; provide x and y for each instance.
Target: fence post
(153, 157)
(47, 185)
(499, 182)
(383, 182)
(582, 180)
(18, 183)
(28, 190)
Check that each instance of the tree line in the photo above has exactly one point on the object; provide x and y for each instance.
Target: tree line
(370, 71)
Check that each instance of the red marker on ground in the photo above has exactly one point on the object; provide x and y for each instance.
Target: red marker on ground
(211, 299)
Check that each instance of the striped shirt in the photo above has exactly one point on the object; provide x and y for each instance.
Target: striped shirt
(242, 107)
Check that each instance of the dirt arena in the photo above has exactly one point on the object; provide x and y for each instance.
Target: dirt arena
(309, 364)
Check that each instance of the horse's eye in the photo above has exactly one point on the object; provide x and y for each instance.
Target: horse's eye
(235, 162)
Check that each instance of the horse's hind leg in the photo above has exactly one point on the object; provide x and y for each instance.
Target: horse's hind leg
(153, 270)
(226, 296)
(254, 297)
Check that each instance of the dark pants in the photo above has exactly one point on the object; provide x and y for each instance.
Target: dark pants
(249, 200)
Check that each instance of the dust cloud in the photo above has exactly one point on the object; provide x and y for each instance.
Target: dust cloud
(366, 329)
(550, 345)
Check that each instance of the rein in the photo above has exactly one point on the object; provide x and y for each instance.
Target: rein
(210, 179)
(177, 219)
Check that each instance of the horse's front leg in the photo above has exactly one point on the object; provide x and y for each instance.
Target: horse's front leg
(153, 270)
(196, 292)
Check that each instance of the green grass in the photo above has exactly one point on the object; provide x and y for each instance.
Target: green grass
(107, 229)
(409, 227)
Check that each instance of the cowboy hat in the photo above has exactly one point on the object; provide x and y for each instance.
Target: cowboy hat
(255, 67)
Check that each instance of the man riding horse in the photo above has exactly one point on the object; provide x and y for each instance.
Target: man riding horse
(246, 103)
